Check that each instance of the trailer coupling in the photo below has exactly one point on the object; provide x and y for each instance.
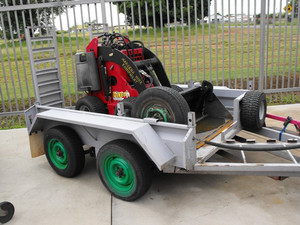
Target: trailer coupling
(250, 145)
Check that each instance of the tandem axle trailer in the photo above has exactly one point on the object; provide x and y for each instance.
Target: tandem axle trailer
(128, 149)
(161, 126)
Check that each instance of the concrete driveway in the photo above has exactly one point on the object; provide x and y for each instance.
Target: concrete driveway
(42, 197)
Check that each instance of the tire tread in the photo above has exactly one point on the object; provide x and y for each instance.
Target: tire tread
(139, 161)
(75, 150)
(93, 103)
(250, 110)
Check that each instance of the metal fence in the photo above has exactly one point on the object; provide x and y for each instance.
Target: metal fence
(249, 44)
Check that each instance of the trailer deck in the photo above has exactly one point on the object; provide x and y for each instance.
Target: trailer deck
(177, 148)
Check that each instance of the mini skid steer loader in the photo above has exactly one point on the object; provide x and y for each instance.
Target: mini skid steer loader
(115, 69)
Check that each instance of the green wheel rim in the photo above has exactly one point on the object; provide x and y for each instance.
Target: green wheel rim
(58, 154)
(120, 175)
(158, 111)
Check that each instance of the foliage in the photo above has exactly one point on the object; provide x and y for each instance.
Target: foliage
(281, 99)
(21, 19)
(282, 15)
(164, 11)
(295, 8)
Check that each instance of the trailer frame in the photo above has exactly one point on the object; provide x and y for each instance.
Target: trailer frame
(173, 147)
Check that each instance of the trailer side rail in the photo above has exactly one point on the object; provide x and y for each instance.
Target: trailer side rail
(161, 141)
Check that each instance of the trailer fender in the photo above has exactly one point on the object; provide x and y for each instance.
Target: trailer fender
(141, 130)
(153, 145)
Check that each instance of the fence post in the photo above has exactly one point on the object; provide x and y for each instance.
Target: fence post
(262, 45)
(103, 10)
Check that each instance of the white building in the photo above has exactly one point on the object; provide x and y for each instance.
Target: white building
(212, 18)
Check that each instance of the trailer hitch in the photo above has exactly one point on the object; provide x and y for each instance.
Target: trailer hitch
(286, 121)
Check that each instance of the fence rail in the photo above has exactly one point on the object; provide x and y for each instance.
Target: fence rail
(249, 44)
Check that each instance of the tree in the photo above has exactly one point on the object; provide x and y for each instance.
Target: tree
(295, 8)
(164, 11)
(38, 16)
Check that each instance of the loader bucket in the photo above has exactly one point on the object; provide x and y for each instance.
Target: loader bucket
(210, 112)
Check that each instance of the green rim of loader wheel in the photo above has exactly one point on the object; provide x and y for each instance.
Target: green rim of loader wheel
(119, 174)
(157, 111)
(58, 154)
(84, 108)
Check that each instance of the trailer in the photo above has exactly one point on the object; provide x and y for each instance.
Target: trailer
(129, 149)
(135, 122)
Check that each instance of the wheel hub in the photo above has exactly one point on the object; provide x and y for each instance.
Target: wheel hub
(120, 172)
(57, 154)
(158, 112)
(261, 110)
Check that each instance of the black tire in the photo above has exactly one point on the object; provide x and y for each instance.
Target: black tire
(91, 104)
(176, 88)
(7, 213)
(253, 110)
(162, 103)
(128, 105)
(124, 169)
(64, 151)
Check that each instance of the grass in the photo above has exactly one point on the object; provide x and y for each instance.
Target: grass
(187, 60)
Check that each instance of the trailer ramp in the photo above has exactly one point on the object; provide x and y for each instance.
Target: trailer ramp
(44, 64)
